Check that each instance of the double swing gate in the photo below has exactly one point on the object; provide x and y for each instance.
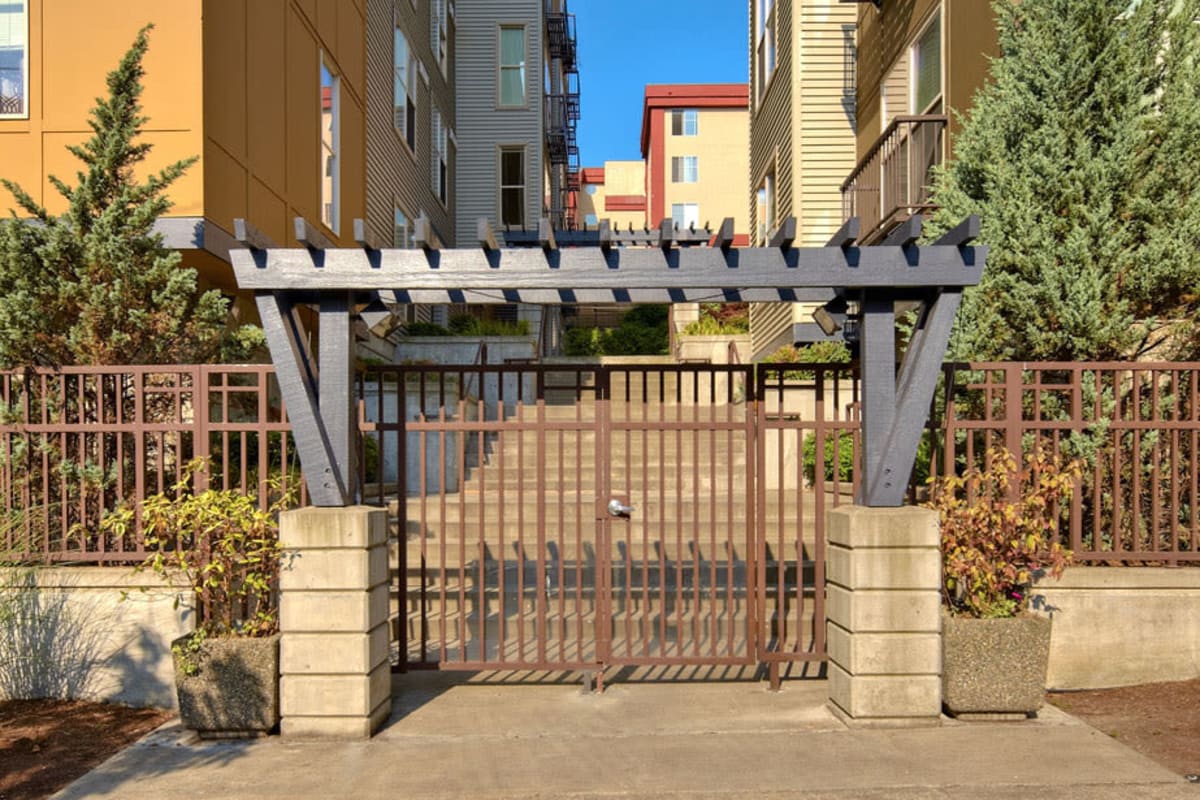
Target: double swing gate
(587, 517)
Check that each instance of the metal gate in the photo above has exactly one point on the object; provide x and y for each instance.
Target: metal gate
(577, 517)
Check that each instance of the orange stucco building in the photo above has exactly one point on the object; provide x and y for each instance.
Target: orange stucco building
(270, 95)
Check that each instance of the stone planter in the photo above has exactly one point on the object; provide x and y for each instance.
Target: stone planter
(994, 666)
(235, 692)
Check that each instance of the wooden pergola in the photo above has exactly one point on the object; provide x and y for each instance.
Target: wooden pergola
(605, 266)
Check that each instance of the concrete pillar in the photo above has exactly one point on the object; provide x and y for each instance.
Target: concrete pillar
(336, 677)
(883, 609)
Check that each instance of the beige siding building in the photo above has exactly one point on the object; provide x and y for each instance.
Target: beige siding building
(695, 145)
(802, 133)
(615, 192)
(918, 62)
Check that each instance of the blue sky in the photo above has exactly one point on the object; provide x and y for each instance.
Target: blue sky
(626, 44)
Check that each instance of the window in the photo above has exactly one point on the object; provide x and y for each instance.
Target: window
(512, 66)
(512, 187)
(405, 90)
(685, 169)
(591, 219)
(329, 146)
(764, 204)
(402, 232)
(684, 123)
(591, 188)
(685, 215)
(441, 148)
(440, 39)
(927, 69)
(14, 58)
(765, 49)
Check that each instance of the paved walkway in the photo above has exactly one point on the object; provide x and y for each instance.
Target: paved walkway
(449, 739)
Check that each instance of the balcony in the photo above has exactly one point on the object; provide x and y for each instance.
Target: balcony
(562, 118)
(891, 183)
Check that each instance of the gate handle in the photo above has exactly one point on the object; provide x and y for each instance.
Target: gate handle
(619, 509)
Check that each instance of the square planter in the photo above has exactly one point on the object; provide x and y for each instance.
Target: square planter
(235, 691)
(994, 666)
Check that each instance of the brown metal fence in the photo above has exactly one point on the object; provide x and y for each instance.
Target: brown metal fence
(1139, 424)
(79, 440)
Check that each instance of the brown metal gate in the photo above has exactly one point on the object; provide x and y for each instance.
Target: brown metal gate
(508, 553)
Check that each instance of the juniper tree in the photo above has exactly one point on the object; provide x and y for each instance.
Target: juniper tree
(95, 285)
(1082, 156)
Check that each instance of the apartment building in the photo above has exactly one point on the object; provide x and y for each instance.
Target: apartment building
(517, 86)
(270, 95)
(615, 192)
(411, 112)
(918, 62)
(803, 125)
(695, 147)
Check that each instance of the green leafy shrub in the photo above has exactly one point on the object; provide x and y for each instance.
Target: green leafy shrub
(642, 331)
(720, 319)
(824, 353)
(221, 545)
(425, 329)
(468, 325)
(1000, 527)
(843, 458)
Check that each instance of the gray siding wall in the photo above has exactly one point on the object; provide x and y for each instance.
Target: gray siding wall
(395, 174)
(482, 127)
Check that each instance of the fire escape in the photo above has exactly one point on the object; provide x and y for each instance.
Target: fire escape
(562, 115)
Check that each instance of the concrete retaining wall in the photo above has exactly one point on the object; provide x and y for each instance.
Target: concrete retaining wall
(1118, 626)
(73, 636)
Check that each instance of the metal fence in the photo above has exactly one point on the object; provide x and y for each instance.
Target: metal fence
(80, 440)
(1137, 424)
(77, 441)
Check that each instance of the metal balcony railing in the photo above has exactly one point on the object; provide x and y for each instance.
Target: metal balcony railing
(892, 182)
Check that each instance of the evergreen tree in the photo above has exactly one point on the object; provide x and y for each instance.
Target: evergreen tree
(96, 285)
(1082, 156)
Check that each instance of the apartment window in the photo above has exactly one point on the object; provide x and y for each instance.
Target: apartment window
(512, 65)
(441, 149)
(685, 169)
(405, 90)
(440, 39)
(402, 232)
(765, 49)
(764, 203)
(512, 187)
(684, 123)
(329, 100)
(14, 58)
(927, 68)
(685, 215)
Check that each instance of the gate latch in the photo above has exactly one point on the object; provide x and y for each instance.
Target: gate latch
(619, 509)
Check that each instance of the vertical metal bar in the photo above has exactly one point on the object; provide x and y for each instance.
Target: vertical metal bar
(462, 615)
(542, 497)
(603, 528)
(519, 542)
(646, 626)
(483, 602)
(402, 523)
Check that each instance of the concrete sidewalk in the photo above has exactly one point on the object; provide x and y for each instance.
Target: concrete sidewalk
(451, 739)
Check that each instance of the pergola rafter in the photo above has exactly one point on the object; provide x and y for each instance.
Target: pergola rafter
(558, 267)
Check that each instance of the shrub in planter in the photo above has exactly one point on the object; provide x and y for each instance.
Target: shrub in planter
(225, 549)
(999, 528)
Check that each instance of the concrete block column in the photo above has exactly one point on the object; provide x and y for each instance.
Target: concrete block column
(883, 611)
(336, 677)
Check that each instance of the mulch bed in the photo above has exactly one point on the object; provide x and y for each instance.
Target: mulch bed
(1159, 720)
(46, 744)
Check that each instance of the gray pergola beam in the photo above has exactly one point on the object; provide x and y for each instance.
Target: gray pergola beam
(703, 268)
